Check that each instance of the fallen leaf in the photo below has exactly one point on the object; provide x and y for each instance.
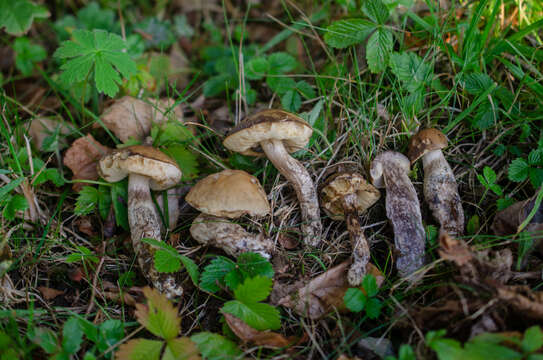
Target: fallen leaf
(260, 338)
(84, 225)
(523, 299)
(49, 293)
(325, 292)
(507, 221)
(125, 298)
(129, 117)
(42, 127)
(82, 157)
(288, 242)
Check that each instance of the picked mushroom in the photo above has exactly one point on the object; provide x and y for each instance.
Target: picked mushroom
(276, 133)
(440, 188)
(229, 194)
(390, 170)
(147, 168)
(344, 196)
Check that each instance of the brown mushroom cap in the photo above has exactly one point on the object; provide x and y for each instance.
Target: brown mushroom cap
(425, 141)
(272, 124)
(229, 193)
(141, 160)
(342, 184)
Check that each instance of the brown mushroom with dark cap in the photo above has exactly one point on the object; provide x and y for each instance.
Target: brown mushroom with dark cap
(229, 194)
(276, 133)
(440, 188)
(390, 170)
(147, 168)
(345, 196)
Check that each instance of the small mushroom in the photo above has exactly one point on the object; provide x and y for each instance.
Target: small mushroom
(276, 133)
(147, 168)
(389, 170)
(229, 194)
(440, 188)
(344, 196)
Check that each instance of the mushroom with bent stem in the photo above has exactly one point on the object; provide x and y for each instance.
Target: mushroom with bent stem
(147, 168)
(276, 133)
(440, 188)
(344, 196)
(389, 170)
(229, 194)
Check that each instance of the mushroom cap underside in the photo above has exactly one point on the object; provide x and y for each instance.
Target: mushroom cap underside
(425, 141)
(271, 124)
(229, 193)
(390, 159)
(337, 186)
(141, 160)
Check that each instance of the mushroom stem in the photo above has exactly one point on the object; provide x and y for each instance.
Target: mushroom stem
(232, 238)
(300, 179)
(144, 222)
(172, 196)
(441, 192)
(361, 249)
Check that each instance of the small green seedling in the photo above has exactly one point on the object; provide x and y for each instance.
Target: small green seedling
(365, 299)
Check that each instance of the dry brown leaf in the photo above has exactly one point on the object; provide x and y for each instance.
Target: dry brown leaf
(82, 157)
(507, 221)
(325, 292)
(42, 127)
(523, 299)
(129, 117)
(260, 338)
(49, 293)
(454, 250)
(288, 242)
(115, 296)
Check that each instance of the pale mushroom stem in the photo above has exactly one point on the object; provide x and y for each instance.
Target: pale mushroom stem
(403, 210)
(144, 222)
(172, 197)
(441, 192)
(232, 238)
(361, 249)
(300, 179)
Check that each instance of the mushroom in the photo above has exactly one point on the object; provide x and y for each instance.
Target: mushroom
(344, 196)
(390, 169)
(229, 194)
(147, 168)
(440, 188)
(277, 133)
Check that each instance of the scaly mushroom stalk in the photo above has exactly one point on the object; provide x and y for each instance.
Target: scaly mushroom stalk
(232, 238)
(390, 170)
(361, 248)
(301, 181)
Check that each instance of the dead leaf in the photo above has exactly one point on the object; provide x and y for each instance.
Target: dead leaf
(507, 221)
(129, 117)
(49, 293)
(288, 242)
(42, 127)
(325, 292)
(82, 157)
(84, 225)
(523, 299)
(246, 333)
(125, 298)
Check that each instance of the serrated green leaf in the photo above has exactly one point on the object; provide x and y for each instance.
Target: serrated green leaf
(161, 37)
(473, 225)
(187, 160)
(486, 350)
(504, 203)
(46, 339)
(446, 349)
(253, 289)
(119, 199)
(281, 63)
(248, 265)
(216, 347)
(257, 315)
(373, 308)
(192, 269)
(536, 177)
(369, 283)
(6, 189)
(378, 49)
(343, 33)
(431, 234)
(355, 299)
(215, 272)
(496, 189)
(305, 89)
(72, 336)
(533, 339)
(535, 158)
(280, 84)
(217, 84)
(291, 101)
(166, 262)
(17, 16)
(181, 349)
(411, 70)
(160, 317)
(27, 54)
(518, 170)
(140, 349)
(375, 10)
(16, 203)
(490, 175)
(86, 202)
(406, 353)
(476, 83)
(257, 68)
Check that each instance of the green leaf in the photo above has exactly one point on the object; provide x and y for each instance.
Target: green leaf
(86, 202)
(536, 177)
(375, 10)
(485, 350)
(72, 336)
(378, 49)
(369, 283)
(161, 35)
(187, 160)
(216, 347)
(518, 170)
(281, 62)
(17, 16)
(160, 317)
(280, 84)
(291, 101)
(535, 158)
(140, 349)
(166, 262)
(446, 349)
(373, 308)
(119, 198)
(257, 315)
(355, 299)
(46, 339)
(257, 68)
(504, 203)
(473, 225)
(248, 265)
(476, 83)
(215, 272)
(16, 203)
(181, 349)
(218, 84)
(305, 89)
(533, 339)
(6, 189)
(343, 33)
(406, 353)
(182, 27)
(93, 17)
(253, 289)
(411, 70)
(490, 175)
(49, 175)
(192, 269)
(431, 234)
(104, 201)
(99, 51)
(27, 54)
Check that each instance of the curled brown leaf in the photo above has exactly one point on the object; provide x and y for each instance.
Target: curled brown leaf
(260, 338)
